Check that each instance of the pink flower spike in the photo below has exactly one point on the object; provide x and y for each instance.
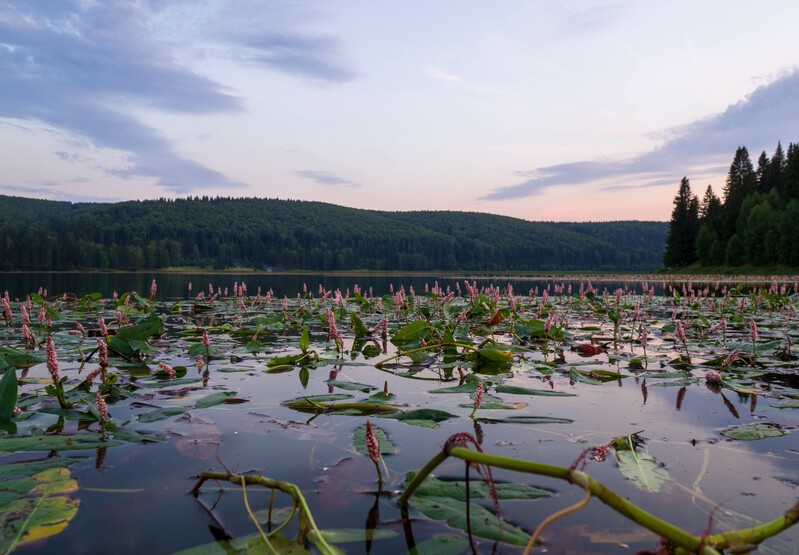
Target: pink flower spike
(102, 408)
(52, 361)
(372, 443)
(711, 376)
(753, 329)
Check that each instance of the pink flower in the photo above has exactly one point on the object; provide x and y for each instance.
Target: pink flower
(170, 372)
(681, 332)
(372, 443)
(731, 358)
(102, 408)
(644, 336)
(711, 376)
(753, 330)
(600, 453)
(102, 351)
(91, 376)
(103, 329)
(27, 336)
(52, 361)
(206, 340)
(153, 289)
(478, 395)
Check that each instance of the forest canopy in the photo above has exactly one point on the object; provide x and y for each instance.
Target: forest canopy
(271, 234)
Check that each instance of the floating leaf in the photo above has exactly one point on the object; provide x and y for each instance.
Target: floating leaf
(351, 386)
(749, 432)
(642, 469)
(213, 399)
(484, 523)
(428, 418)
(248, 545)
(442, 545)
(477, 489)
(52, 443)
(160, 414)
(36, 507)
(359, 441)
(495, 354)
(18, 359)
(516, 390)
(524, 420)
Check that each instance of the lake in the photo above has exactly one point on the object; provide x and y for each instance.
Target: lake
(699, 439)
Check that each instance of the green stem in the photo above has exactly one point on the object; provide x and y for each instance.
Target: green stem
(309, 528)
(676, 536)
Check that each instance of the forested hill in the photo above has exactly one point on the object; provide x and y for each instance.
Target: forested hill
(288, 235)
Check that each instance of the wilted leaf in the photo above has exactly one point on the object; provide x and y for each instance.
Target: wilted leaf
(643, 470)
(36, 507)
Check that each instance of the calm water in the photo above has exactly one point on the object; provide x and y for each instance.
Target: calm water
(134, 496)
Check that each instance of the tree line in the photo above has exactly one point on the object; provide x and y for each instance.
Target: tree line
(753, 224)
(273, 234)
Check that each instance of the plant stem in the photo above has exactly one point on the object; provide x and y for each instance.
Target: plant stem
(676, 536)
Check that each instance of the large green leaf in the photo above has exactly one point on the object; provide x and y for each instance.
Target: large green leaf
(36, 507)
(456, 489)
(484, 523)
(516, 390)
(410, 332)
(248, 545)
(213, 399)
(8, 394)
(642, 469)
(441, 545)
(127, 339)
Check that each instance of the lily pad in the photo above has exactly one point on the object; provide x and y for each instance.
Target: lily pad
(36, 507)
(749, 432)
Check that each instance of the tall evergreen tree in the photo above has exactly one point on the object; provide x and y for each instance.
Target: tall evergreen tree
(741, 181)
(710, 210)
(790, 179)
(775, 171)
(763, 173)
(683, 228)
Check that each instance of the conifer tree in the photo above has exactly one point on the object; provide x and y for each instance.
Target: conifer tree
(790, 179)
(683, 228)
(741, 181)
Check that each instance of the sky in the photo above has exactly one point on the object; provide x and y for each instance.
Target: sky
(540, 110)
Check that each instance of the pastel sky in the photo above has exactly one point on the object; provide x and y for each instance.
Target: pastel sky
(542, 110)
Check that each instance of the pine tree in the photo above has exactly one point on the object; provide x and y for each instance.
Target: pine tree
(741, 181)
(763, 173)
(790, 178)
(711, 209)
(683, 228)
(775, 171)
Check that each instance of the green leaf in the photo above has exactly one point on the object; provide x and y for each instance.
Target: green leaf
(19, 359)
(410, 332)
(370, 351)
(495, 354)
(516, 390)
(350, 535)
(128, 341)
(36, 507)
(32, 467)
(248, 545)
(642, 469)
(320, 398)
(8, 394)
(350, 386)
(305, 340)
(359, 441)
(213, 399)
(484, 523)
(52, 443)
(750, 432)
(160, 414)
(428, 418)
(455, 489)
(441, 545)
(525, 420)
(358, 326)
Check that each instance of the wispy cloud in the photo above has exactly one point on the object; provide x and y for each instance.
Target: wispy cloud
(84, 68)
(51, 191)
(769, 114)
(327, 179)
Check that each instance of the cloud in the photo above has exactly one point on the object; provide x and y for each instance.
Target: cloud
(85, 67)
(327, 178)
(767, 115)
